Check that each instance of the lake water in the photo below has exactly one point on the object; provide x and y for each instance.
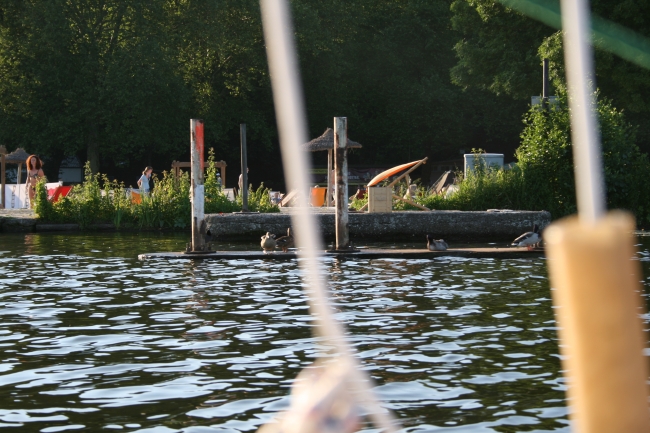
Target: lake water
(94, 340)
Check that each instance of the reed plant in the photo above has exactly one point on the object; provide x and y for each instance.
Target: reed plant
(259, 200)
(216, 200)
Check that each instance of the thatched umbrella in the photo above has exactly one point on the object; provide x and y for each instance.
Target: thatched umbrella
(18, 156)
(326, 142)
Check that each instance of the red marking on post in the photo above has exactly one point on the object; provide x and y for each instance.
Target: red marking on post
(199, 143)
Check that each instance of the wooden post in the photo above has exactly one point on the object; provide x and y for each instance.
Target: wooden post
(197, 193)
(244, 168)
(598, 303)
(3, 167)
(341, 168)
(328, 200)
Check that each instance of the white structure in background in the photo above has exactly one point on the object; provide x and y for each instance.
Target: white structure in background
(16, 196)
(490, 159)
(71, 170)
(537, 100)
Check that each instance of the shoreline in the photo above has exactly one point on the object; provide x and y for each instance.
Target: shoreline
(492, 225)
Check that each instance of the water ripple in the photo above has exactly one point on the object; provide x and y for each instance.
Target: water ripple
(93, 339)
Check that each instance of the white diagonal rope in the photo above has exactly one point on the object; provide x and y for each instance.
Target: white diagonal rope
(290, 114)
(578, 57)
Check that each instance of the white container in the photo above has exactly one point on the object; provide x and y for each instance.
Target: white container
(491, 160)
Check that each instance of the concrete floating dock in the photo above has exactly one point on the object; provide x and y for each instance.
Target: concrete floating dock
(497, 253)
(453, 226)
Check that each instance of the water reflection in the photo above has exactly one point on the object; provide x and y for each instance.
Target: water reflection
(94, 339)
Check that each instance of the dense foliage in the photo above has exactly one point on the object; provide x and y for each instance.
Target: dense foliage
(490, 58)
(99, 200)
(546, 161)
(543, 178)
(116, 81)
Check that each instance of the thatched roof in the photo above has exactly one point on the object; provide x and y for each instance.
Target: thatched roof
(326, 142)
(18, 156)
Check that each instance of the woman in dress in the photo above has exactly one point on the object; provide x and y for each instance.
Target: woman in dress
(143, 182)
(34, 174)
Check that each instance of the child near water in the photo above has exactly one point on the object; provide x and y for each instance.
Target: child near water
(143, 182)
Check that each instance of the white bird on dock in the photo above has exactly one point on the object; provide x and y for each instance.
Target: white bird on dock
(528, 239)
(268, 243)
(436, 244)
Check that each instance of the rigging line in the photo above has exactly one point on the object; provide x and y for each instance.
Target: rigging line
(585, 137)
(290, 114)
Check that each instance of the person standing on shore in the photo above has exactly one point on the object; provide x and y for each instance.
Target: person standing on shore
(34, 174)
(143, 182)
(240, 183)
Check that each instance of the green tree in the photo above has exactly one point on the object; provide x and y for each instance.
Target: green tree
(497, 50)
(501, 50)
(546, 161)
(92, 76)
(385, 66)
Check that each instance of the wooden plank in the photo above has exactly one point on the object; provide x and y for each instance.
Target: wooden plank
(288, 198)
(411, 202)
(422, 161)
(504, 253)
(390, 172)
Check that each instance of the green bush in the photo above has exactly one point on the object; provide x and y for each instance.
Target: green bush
(98, 200)
(84, 205)
(546, 162)
(258, 200)
(483, 188)
(216, 200)
(543, 178)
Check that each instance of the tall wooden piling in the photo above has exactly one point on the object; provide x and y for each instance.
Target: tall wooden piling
(244, 167)
(197, 193)
(597, 292)
(341, 188)
(602, 340)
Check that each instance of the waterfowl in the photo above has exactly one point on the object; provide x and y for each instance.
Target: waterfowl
(285, 242)
(436, 244)
(528, 239)
(268, 243)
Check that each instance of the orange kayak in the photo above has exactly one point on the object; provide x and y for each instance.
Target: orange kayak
(390, 172)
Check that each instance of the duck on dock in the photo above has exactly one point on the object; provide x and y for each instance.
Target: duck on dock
(528, 239)
(285, 242)
(436, 244)
(268, 243)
